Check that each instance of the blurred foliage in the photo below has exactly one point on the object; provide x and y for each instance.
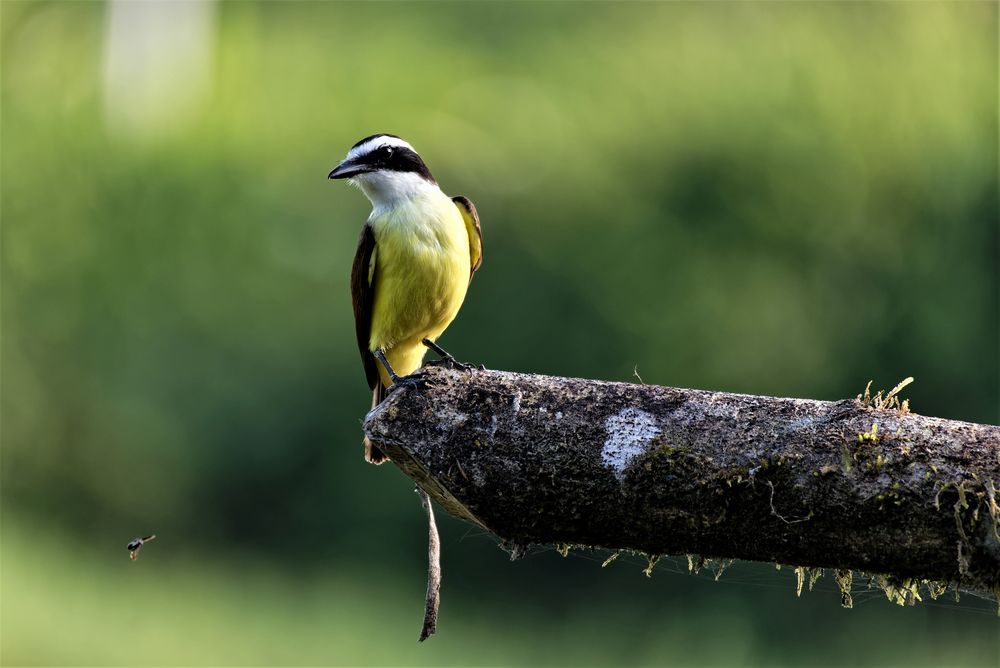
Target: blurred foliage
(773, 198)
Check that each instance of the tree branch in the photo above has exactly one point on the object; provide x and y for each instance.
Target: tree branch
(840, 485)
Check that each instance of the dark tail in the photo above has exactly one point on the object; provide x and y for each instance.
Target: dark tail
(372, 454)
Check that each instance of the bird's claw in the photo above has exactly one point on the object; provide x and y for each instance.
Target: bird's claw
(449, 362)
(417, 380)
(446, 360)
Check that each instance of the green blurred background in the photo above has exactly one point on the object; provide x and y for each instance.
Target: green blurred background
(773, 198)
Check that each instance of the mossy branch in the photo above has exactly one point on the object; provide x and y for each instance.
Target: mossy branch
(843, 485)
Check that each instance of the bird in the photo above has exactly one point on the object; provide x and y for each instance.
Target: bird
(416, 256)
(135, 544)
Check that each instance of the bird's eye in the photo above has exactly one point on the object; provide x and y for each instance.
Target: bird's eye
(388, 151)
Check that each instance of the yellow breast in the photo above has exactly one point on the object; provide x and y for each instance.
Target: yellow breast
(420, 275)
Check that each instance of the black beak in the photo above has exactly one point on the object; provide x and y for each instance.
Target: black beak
(347, 169)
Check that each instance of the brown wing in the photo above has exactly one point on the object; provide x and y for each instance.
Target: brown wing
(363, 296)
(468, 211)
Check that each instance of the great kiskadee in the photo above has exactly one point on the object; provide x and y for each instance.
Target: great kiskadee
(415, 259)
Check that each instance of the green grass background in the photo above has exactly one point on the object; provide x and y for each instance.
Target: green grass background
(772, 198)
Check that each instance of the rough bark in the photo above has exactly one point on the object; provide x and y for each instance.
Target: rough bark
(840, 485)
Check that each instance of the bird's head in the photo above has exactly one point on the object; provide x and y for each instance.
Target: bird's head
(386, 168)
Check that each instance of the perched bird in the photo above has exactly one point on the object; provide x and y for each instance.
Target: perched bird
(415, 259)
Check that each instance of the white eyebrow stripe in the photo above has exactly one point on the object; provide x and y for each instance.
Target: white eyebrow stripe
(376, 143)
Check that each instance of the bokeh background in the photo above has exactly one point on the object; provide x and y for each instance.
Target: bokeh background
(772, 198)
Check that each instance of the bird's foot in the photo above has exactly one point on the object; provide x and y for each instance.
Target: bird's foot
(447, 360)
(417, 380)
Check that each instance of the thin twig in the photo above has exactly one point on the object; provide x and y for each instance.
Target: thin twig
(433, 570)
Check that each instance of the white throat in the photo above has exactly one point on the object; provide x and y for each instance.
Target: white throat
(385, 188)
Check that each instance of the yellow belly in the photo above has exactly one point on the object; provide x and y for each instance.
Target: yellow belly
(421, 275)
